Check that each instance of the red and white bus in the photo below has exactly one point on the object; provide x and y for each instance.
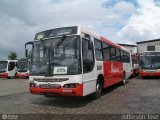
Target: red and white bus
(8, 68)
(73, 61)
(23, 68)
(150, 63)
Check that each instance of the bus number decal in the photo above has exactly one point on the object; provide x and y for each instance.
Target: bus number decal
(99, 67)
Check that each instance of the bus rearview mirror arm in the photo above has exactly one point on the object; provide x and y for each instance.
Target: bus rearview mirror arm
(26, 50)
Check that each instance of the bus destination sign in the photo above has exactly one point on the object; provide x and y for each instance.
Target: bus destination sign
(56, 32)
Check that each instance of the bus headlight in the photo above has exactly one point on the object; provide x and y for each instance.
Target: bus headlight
(33, 85)
(72, 85)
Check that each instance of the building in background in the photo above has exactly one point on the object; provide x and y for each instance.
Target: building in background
(150, 45)
(131, 48)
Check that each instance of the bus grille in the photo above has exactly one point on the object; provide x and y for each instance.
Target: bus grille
(51, 80)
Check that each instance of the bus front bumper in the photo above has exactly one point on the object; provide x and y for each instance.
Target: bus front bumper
(149, 73)
(78, 91)
(3, 75)
(23, 75)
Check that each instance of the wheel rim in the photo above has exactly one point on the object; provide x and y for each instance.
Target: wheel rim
(99, 89)
(124, 79)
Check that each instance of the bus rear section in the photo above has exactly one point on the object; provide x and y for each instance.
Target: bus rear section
(135, 65)
(8, 68)
(70, 62)
(150, 64)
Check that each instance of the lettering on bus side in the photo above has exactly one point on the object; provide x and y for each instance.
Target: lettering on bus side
(99, 67)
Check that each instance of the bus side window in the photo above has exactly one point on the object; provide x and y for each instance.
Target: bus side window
(98, 49)
(11, 66)
(128, 57)
(122, 56)
(118, 54)
(113, 53)
(106, 51)
(88, 57)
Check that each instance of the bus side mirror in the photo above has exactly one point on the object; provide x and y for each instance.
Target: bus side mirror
(26, 53)
(26, 50)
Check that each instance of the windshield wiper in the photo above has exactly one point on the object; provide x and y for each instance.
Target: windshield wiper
(61, 40)
(54, 63)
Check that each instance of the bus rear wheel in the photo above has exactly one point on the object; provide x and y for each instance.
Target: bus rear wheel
(124, 79)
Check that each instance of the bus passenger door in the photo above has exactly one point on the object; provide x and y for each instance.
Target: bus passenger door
(88, 66)
(12, 69)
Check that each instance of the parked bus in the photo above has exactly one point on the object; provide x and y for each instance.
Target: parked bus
(150, 63)
(135, 64)
(23, 68)
(73, 61)
(8, 68)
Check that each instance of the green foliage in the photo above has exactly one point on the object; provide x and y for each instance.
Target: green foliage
(12, 56)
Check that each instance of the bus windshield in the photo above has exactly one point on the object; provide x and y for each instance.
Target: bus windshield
(56, 56)
(150, 62)
(3, 66)
(22, 66)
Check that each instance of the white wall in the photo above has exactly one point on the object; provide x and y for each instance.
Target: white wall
(143, 46)
(131, 49)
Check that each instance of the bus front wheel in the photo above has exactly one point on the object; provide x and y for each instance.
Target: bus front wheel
(98, 92)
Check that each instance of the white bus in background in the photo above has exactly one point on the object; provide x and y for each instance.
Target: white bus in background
(8, 68)
(23, 68)
(73, 61)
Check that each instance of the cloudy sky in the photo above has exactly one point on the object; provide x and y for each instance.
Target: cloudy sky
(123, 21)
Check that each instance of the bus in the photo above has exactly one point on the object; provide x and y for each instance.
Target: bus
(150, 63)
(8, 68)
(135, 65)
(23, 68)
(72, 61)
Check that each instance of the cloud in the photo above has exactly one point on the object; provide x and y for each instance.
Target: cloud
(144, 25)
(13, 35)
(21, 19)
(118, 20)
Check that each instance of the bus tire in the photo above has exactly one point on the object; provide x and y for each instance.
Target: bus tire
(98, 92)
(124, 79)
(15, 76)
(48, 96)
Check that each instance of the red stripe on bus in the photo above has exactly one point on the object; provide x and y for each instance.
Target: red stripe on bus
(110, 42)
(3, 75)
(143, 73)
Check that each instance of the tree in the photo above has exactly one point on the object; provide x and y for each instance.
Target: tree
(12, 56)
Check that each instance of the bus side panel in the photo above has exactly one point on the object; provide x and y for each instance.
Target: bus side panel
(117, 71)
(107, 73)
(112, 73)
(90, 78)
